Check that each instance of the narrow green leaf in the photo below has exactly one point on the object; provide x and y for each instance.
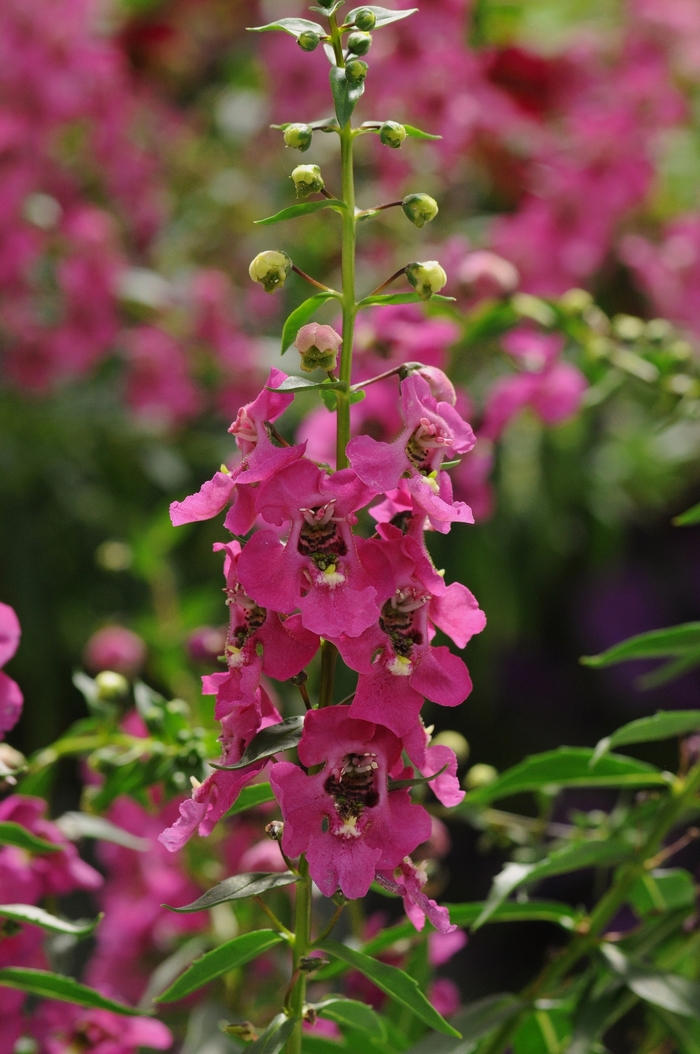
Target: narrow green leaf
(250, 797)
(688, 517)
(304, 208)
(294, 26)
(271, 740)
(384, 15)
(76, 825)
(686, 1033)
(566, 767)
(219, 961)
(594, 1016)
(664, 724)
(656, 644)
(345, 95)
(303, 384)
(388, 299)
(352, 1014)
(542, 1032)
(474, 1022)
(394, 982)
(39, 917)
(274, 1037)
(238, 887)
(570, 858)
(659, 987)
(49, 985)
(14, 834)
(301, 315)
(416, 133)
(663, 890)
(529, 911)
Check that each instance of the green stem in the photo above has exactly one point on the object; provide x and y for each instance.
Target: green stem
(302, 941)
(348, 301)
(329, 654)
(680, 796)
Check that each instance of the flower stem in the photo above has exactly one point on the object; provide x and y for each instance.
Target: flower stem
(302, 940)
(329, 654)
(680, 796)
(348, 301)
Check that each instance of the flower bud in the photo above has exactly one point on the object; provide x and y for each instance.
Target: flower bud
(480, 776)
(420, 209)
(298, 136)
(356, 71)
(111, 686)
(426, 278)
(318, 346)
(454, 740)
(275, 830)
(307, 179)
(359, 43)
(443, 390)
(308, 40)
(115, 648)
(365, 19)
(271, 269)
(392, 134)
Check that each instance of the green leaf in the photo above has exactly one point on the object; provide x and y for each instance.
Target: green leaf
(664, 724)
(529, 911)
(566, 767)
(593, 853)
(250, 797)
(542, 1032)
(663, 890)
(688, 517)
(686, 1033)
(49, 985)
(274, 1037)
(303, 384)
(474, 1022)
(416, 133)
(384, 15)
(238, 887)
(14, 834)
(39, 917)
(301, 315)
(594, 1016)
(76, 825)
(294, 26)
(345, 95)
(219, 961)
(352, 1014)
(388, 299)
(271, 740)
(304, 208)
(397, 984)
(659, 987)
(656, 644)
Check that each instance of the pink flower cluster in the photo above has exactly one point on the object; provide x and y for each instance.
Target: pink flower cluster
(304, 573)
(11, 698)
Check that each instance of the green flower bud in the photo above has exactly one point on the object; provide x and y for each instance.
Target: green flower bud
(392, 134)
(365, 19)
(307, 179)
(359, 43)
(420, 209)
(308, 40)
(426, 278)
(356, 71)
(111, 686)
(480, 776)
(271, 269)
(298, 136)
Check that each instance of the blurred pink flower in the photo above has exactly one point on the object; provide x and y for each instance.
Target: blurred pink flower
(11, 698)
(115, 648)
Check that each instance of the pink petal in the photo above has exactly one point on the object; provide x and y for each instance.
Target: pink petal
(441, 677)
(211, 499)
(379, 465)
(457, 613)
(10, 632)
(11, 700)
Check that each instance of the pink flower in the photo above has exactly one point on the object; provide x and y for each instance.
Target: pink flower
(367, 826)
(61, 1028)
(444, 995)
(318, 346)
(443, 946)
(408, 880)
(11, 698)
(260, 460)
(429, 760)
(115, 648)
(325, 572)
(397, 665)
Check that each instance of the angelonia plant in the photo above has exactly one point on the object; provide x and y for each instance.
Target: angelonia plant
(326, 565)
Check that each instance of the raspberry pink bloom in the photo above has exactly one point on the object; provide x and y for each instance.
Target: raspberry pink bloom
(432, 759)
(63, 1027)
(345, 818)
(11, 698)
(397, 665)
(431, 431)
(260, 459)
(407, 881)
(322, 570)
